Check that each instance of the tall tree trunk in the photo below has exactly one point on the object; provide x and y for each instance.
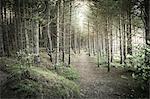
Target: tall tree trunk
(1, 31)
(111, 43)
(98, 48)
(107, 44)
(89, 45)
(93, 42)
(69, 61)
(36, 40)
(58, 34)
(124, 42)
(75, 41)
(49, 35)
(5, 36)
(102, 45)
(16, 31)
(20, 26)
(25, 29)
(129, 33)
(63, 31)
(120, 40)
(147, 31)
(79, 42)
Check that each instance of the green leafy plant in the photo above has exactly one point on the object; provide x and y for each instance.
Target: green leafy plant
(138, 64)
(68, 72)
(25, 58)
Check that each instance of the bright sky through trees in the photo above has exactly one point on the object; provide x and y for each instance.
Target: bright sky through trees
(82, 10)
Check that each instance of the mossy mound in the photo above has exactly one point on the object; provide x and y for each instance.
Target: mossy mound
(37, 82)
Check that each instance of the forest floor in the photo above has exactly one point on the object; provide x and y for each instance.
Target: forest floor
(3, 78)
(98, 83)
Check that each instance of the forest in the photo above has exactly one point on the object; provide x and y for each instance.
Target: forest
(74, 49)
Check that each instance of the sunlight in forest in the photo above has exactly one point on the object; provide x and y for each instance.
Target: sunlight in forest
(81, 12)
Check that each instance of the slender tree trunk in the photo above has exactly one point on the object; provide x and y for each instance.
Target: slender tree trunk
(36, 40)
(75, 41)
(49, 35)
(1, 31)
(16, 31)
(5, 36)
(120, 40)
(129, 33)
(98, 49)
(102, 44)
(79, 42)
(63, 31)
(111, 44)
(25, 29)
(69, 61)
(124, 42)
(107, 45)
(20, 26)
(89, 47)
(93, 43)
(58, 34)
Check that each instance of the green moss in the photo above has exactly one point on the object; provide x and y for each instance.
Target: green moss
(68, 72)
(37, 81)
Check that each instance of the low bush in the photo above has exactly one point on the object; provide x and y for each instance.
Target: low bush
(137, 63)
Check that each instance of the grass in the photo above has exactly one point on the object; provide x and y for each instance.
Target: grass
(68, 72)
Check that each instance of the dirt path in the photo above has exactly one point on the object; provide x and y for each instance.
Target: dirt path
(97, 83)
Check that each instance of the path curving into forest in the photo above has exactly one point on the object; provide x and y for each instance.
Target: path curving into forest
(97, 83)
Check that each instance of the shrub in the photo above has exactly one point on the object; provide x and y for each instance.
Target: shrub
(137, 62)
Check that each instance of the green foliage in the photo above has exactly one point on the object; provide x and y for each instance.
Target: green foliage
(27, 88)
(68, 72)
(138, 64)
(36, 81)
(25, 58)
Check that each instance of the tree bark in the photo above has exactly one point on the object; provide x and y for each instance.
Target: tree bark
(49, 35)
(120, 40)
(107, 45)
(111, 43)
(124, 42)
(5, 36)
(89, 47)
(1, 31)
(69, 61)
(58, 34)
(36, 40)
(129, 33)
(63, 31)
(25, 29)
(147, 31)
(93, 43)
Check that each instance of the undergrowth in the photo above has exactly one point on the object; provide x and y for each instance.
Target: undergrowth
(38, 82)
(68, 72)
